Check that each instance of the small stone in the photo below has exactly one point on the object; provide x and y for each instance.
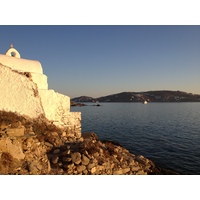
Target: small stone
(116, 150)
(85, 160)
(80, 139)
(135, 168)
(112, 165)
(141, 159)
(38, 143)
(60, 171)
(86, 152)
(16, 132)
(131, 162)
(118, 172)
(90, 166)
(96, 154)
(64, 134)
(39, 166)
(55, 159)
(48, 144)
(76, 157)
(80, 168)
(70, 166)
(100, 167)
(56, 151)
(101, 151)
(90, 136)
(71, 139)
(93, 170)
(66, 159)
(65, 153)
(125, 170)
(108, 171)
(48, 166)
(54, 134)
(33, 168)
(124, 165)
(141, 172)
(85, 171)
(147, 167)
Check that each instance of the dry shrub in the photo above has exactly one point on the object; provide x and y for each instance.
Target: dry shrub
(91, 150)
(91, 147)
(5, 163)
(40, 125)
(110, 147)
(111, 142)
(9, 117)
(6, 159)
(53, 138)
(8, 164)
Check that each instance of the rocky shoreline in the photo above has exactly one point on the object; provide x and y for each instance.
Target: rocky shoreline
(72, 103)
(36, 147)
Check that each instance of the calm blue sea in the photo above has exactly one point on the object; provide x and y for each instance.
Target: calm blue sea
(166, 133)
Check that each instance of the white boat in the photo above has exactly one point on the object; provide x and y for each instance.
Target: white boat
(145, 102)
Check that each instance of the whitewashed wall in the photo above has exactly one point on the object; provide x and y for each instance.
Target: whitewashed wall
(18, 93)
(21, 64)
(29, 95)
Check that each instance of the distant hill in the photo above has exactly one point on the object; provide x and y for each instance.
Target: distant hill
(150, 96)
(83, 99)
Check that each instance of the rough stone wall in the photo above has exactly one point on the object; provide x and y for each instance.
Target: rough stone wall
(54, 104)
(18, 93)
(57, 109)
(72, 121)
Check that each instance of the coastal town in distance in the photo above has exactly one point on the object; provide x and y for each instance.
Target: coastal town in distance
(149, 96)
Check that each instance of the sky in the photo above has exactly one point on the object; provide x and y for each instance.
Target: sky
(98, 60)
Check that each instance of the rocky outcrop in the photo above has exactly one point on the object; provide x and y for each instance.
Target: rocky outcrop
(39, 147)
(72, 103)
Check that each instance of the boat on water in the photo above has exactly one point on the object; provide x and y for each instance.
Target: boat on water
(145, 102)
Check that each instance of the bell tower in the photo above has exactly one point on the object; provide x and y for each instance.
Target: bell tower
(12, 52)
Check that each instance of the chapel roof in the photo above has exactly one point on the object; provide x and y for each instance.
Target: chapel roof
(12, 52)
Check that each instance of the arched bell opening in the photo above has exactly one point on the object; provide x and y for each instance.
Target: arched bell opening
(12, 52)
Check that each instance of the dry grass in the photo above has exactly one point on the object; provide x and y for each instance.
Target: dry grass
(40, 124)
(9, 117)
(6, 159)
(8, 164)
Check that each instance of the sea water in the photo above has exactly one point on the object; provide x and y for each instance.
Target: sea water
(166, 133)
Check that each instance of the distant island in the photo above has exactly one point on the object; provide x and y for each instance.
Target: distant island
(149, 96)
